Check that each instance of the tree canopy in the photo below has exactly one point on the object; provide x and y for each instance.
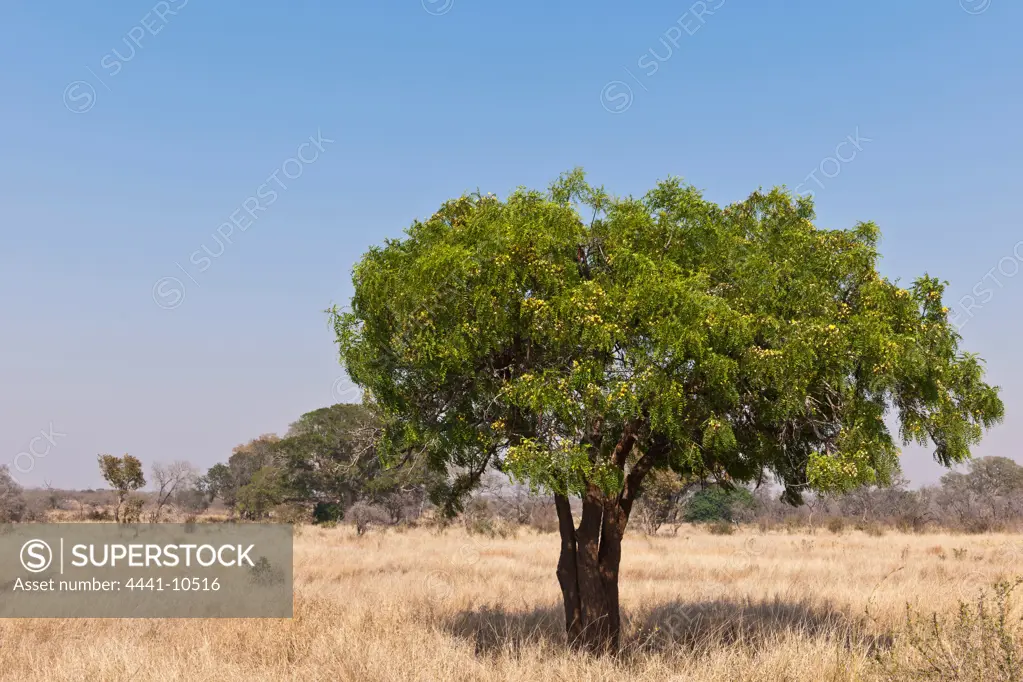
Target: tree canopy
(734, 342)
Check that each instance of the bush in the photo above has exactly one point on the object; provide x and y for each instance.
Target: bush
(478, 518)
(363, 515)
(543, 518)
(132, 512)
(793, 523)
(981, 643)
(12, 503)
(99, 514)
(659, 503)
(294, 514)
(717, 504)
(872, 528)
(721, 528)
(264, 573)
(328, 512)
(982, 525)
(836, 524)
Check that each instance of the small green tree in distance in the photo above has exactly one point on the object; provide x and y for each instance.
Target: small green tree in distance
(718, 504)
(579, 341)
(124, 474)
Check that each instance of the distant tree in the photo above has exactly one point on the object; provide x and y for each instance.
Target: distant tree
(224, 481)
(124, 474)
(191, 499)
(990, 491)
(664, 492)
(170, 479)
(54, 497)
(249, 458)
(12, 501)
(261, 494)
(330, 456)
(580, 341)
(719, 504)
(218, 483)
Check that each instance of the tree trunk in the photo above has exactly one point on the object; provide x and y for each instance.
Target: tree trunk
(588, 571)
(592, 553)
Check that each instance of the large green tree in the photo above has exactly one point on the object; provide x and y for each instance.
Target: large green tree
(579, 341)
(329, 456)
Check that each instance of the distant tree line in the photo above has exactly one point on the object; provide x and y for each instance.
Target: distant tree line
(988, 496)
(326, 469)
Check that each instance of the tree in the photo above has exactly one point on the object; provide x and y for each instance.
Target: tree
(664, 332)
(12, 503)
(226, 480)
(170, 479)
(54, 497)
(989, 492)
(661, 498)
(218, 482)
(719, 504)
(192, 498)
(329, 456)
(261, 494)
(124, 474)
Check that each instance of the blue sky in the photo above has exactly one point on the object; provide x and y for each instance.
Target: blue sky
(133, 133)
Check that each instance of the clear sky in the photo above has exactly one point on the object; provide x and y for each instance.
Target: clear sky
(133, 131)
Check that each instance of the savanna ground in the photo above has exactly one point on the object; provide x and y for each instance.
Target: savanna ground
(423, 605)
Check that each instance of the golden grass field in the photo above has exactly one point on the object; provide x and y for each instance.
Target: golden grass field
(422, 605)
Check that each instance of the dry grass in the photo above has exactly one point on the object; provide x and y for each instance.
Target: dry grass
(416, 605)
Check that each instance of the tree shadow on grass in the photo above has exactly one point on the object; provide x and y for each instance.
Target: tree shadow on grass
(675, 627)
(748, 623)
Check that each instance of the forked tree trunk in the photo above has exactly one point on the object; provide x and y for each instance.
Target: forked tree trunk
(592, 553)
(588, 571)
